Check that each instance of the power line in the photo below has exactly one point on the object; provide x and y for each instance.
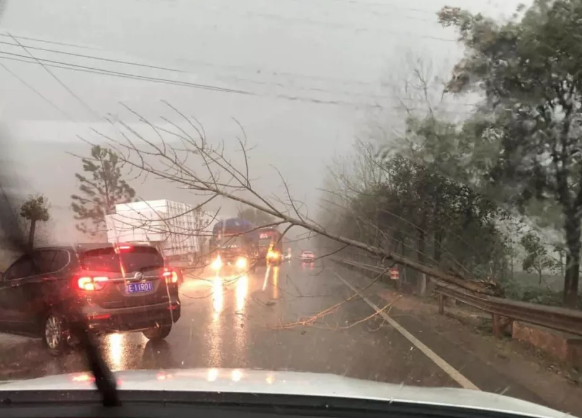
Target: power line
(239, 79)
(201, 63)
(45, 41)
(375, 4)
(185, 84)
(54, 51)
(356, 29)
(223, 11)
(71, 92)
(247, 13)
(83, 68)
(58, 80)
(47, 100)
(186, 72)
(274, 73)
(72, 67)
(381, 4)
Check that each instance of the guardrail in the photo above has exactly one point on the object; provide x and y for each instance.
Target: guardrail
(560, 319)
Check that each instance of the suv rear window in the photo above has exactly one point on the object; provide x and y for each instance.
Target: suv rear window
(133, 259)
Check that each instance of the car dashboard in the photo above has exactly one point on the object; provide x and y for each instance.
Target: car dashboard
(183, 404)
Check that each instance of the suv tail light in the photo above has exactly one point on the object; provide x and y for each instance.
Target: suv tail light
(89, 283)
(170, 275)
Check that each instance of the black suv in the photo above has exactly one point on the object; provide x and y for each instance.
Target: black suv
(122, 288)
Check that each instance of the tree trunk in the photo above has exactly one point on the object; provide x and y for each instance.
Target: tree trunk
(31, 234)
(438, 245)
(572, 226)
(395, 240)
(422, 290)
(511, 263)
(421, 245)
(420, 248)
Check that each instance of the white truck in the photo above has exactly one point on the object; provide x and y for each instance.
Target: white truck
(176, 229)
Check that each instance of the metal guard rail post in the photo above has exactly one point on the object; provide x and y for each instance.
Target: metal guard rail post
(559, 319)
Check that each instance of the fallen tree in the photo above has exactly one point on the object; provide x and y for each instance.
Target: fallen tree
(221, 177)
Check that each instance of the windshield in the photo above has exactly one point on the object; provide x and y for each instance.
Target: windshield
(265, 242)
(429, 152)
(231, 242)
(128, 260)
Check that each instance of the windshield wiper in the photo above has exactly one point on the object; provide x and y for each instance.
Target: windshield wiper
(13, 238)
(104, 379)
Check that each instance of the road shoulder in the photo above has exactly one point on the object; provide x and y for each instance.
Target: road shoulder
(19, 355)
(501, 366)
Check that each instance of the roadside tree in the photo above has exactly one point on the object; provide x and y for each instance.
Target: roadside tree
(528, 70)
(35, 209)
(102, 187)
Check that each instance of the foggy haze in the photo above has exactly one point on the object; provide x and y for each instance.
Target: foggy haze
(316, 71)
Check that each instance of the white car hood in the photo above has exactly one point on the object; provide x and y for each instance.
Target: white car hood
(288, 383)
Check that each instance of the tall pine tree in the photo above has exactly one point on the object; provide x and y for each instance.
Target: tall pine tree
(101, 189)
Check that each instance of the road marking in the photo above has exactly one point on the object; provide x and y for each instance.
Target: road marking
(439, 361)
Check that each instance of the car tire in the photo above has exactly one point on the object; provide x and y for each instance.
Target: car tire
(158, 333)
(54, 336)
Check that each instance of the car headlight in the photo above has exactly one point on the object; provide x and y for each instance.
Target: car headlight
(217, 263)
(241, 263)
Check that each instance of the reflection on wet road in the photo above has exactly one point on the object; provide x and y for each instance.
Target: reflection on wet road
(299, 317)
(270, 319)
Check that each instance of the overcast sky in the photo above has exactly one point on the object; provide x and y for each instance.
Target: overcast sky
(315, 70)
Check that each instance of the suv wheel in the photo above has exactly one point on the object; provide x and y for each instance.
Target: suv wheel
(53, 334)
(158, 333)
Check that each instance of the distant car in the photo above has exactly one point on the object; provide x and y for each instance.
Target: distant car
(307, 256)
(127, 288)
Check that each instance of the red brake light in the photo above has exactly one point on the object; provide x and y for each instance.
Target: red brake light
(125, 247)
(171, 276)
(91, 283)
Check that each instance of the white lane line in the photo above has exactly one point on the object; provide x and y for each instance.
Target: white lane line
(439, 361)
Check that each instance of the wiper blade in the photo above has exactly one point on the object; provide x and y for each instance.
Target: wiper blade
(104, 379)
(13, 238)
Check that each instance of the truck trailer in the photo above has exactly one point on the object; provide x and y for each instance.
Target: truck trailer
(174, 228)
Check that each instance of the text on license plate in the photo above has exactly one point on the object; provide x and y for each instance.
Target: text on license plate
(140, 287)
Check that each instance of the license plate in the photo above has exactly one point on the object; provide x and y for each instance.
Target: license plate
(139, 287)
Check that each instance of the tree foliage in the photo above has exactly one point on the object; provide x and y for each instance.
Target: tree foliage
(529, 72)
(35, 209)
(422, 214)
(101, 189)
(537, 258)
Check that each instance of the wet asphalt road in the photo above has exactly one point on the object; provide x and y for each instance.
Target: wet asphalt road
(292, 317)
